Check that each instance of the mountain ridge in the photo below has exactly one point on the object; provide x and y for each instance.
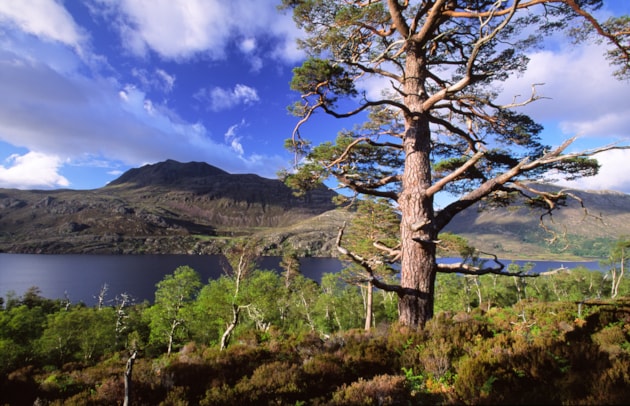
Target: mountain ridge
(196, 208)
(582, 226)
(166, 173)
(168, 207)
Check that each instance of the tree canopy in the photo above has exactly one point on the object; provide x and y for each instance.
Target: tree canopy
(438, 125)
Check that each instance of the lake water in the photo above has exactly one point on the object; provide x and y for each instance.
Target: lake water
(81, 277)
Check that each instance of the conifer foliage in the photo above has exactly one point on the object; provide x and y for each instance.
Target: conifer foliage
(438, 125)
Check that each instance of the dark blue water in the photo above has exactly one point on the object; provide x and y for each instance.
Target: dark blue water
(81, 277)
(538, 266)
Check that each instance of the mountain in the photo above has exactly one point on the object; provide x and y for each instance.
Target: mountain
(195, 208)
(170, 173)
(168, 207)
(583, 226)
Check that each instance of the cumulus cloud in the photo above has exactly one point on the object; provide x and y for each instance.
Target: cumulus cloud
(613, 173)
(19, 170)
(182, 29)
(79, 116)
(581, 95)
(219, 98)
(43, 18)
(69, 104)
(582, 98)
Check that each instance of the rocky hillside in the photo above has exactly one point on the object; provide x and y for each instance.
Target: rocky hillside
(195, 208)
(583, 226)
(169, 207)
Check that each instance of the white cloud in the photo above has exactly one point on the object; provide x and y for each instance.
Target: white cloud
(286, 31)
(584, 98)
(613, 173)
(256, 63)
(374, 86)
(248, 45)
(176, 29)
(43, 18)
(79, 116)
(219, 98)
(233, 139)
(62, 100)
(33, 170)
(182, 29)
(245, 94)
(159, 79)
(249, 48)
(168, 81)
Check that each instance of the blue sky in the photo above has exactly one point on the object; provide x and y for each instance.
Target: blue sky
(92, 88)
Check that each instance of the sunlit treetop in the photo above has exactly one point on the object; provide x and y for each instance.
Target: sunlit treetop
(468, 49)
(439, 124)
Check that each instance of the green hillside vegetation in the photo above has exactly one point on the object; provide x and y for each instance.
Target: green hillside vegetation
(195, 208)
(555, 339)
(583, 226)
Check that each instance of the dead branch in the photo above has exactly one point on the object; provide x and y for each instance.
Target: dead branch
(468, 269)
(365, 264)
(551, 200)
(393, 254)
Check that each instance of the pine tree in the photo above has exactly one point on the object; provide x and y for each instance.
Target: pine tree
(439, 127)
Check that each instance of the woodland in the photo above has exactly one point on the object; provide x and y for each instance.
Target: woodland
(475, 332)
(439, 125)
(256, 336)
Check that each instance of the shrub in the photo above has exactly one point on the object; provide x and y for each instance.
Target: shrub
(110, 391)
(380, 390)
(612, 339)
(273, 383)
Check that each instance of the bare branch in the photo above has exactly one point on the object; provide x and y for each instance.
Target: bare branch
(364, 263)
(395, 10)
(474, 14)
(468, 269)
(551, 200)
(439, 185)
(468, 77)
(612, 37)
(370, 188)
(523, 166)
(557, 156)
(532, 98)
(363, 107)
(393, 254)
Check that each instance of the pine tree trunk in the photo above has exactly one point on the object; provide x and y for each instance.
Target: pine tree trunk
(417, 232)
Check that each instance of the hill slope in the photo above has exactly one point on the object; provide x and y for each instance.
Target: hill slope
(583, 227)
(168, 207)
(185, 208)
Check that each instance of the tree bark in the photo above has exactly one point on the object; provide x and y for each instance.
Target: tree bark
(225, 338)
(128, 372)
(170, 338)
(368, 305)
(418, 262)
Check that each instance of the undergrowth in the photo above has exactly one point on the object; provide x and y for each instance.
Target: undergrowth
(530, 353)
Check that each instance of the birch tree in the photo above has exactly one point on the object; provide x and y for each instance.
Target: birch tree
(169, 315)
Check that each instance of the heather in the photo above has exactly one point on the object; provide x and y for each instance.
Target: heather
(547, 340)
